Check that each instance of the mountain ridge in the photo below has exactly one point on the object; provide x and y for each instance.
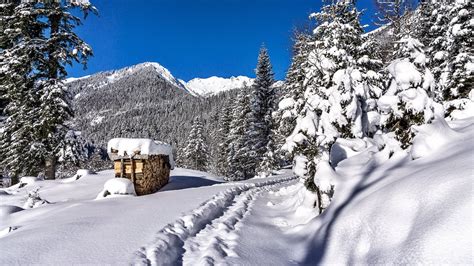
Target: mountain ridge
(199, 87)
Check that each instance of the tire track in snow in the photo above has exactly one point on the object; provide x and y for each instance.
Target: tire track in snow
(192, 232)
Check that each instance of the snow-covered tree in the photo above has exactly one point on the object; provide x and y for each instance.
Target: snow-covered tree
(406, 102)
(222, 138)
(37, 43)
(452, 52)
(332, 101)
(61, 47)
(239, 165)
(195, 154)
(21, 37)
(74, 149)
(293, 90)
(262, 101)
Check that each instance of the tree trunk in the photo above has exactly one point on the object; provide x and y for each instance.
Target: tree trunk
(50, 168)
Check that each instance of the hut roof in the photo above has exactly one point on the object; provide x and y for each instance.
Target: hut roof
(129, 147)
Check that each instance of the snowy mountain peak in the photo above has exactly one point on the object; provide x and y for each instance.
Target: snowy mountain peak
(161, 70)
(214, 85)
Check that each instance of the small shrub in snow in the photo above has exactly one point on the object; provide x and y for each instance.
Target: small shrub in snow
(116, 187)
(34, 200)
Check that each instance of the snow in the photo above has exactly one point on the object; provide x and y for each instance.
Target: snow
(130, 147)
(117, 187)
(97, 120)
(419, 213)
(72, 79)
(82, 230)
(211, 86)
(387, 208)
(286, 103)
(405, 73)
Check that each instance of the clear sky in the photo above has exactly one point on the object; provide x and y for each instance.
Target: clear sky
(196, 38)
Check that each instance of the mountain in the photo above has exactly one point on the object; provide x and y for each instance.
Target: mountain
(108, 77)
(211, 86)
(143, 101)
(203, 87)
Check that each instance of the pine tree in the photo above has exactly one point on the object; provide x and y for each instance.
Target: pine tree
(333, 99)
(37, 43)
(239, 165)
(195, 154)
(406, 101)
(222, 138)
(21, 37)
(452, 51)
(292, 99)
(262, 101)
(74, 149)
(61, 48)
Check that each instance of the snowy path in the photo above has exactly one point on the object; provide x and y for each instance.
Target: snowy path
(208, 235)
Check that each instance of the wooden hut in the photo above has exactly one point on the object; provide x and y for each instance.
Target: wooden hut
(145, 162)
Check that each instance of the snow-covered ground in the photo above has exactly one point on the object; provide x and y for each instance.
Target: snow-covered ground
(75, 228)
(387, 209)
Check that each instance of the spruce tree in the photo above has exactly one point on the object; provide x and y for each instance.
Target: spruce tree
(452, 52)
(222, 138)
(406, 102)
(292, 99)
(195, 154)
(340, 79)
(21, 36)
(37, 43)
(61, 48)
(238, 161)
(262, 101)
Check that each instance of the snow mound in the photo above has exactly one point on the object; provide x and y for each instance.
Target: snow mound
(6, 210)
(80, 173)
(400, 210)
(430, 137)
(7, 230)
(26, 181)
(116, 187)
(125, 146)
(345, 148)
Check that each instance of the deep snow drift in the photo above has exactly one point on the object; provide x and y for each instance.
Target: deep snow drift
(389, 210)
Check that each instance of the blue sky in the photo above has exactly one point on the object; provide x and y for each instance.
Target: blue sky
(196, 38)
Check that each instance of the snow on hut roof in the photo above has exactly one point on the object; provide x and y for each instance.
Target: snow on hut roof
(128, 147)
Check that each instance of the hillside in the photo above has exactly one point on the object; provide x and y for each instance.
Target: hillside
(139, 101)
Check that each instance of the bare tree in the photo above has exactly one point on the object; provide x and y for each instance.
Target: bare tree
(391, 11)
